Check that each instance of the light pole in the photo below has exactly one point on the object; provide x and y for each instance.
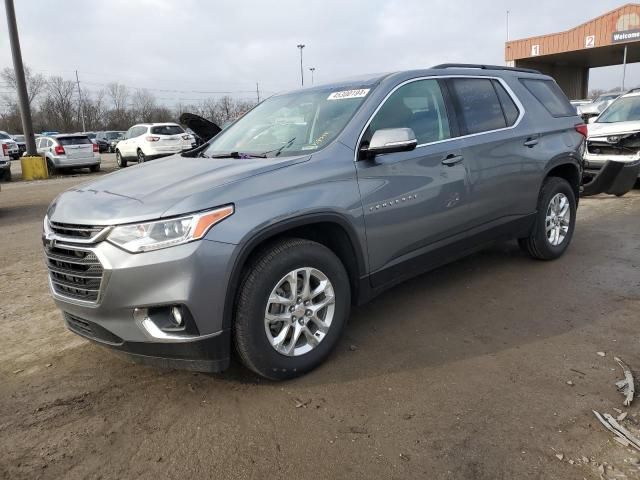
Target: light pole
(312, 69)
(21, 84)
(301, 46)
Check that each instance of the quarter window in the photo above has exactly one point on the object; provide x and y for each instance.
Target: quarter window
(508, 106)
(477, 105)
(417, 105)
(548, 93)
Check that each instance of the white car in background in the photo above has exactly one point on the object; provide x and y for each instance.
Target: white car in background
(147, 141)
(5, 163)
(12, 147)
(597, 106)
(614, 134)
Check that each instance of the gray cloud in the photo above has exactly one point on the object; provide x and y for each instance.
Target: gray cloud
(182, 48)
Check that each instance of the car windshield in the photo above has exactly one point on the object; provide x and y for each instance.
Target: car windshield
(603, 98)
(625, 109)
(113, 135)
(167, 130)
(291, 124)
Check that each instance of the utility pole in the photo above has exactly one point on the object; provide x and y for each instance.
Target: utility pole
(84, 129)
(312, 69)
(624, 67)
(258, 92)
(301, 46)
(507, 25)
(21, 84)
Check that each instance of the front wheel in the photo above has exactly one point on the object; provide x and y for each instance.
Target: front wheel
(292, 306)
(121, 162)
(555, 221)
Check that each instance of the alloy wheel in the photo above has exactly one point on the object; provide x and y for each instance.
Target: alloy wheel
(558, 219)
(299, 311)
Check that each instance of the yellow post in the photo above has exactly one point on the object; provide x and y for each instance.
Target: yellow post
(34, 168)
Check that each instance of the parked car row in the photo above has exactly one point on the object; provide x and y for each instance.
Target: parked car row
(147, 141)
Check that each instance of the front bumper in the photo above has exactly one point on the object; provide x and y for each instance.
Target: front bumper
(193, 275)
(593, 163)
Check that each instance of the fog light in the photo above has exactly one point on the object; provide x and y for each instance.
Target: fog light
(176, 316)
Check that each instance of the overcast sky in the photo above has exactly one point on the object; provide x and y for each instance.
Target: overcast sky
(199, 46)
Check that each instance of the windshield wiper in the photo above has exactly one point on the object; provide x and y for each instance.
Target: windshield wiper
(278, 151)
(239, 155)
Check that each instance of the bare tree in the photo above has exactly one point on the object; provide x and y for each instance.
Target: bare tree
(35, 82)
(59, 105)
(144, 105)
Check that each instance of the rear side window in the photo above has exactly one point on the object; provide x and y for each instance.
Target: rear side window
(79, 140)
(548, 93)
(477, 105)
(167, 130)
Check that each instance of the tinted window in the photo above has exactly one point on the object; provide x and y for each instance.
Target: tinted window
(478, 105)
(417, 105)
(508, 106)
(79, 140)
(549, 94)
(167, 130)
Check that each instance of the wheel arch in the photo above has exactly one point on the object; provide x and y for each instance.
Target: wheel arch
(329, 229)
(567, 167)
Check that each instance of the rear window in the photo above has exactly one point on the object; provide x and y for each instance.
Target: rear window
(167, 130)
(550, 96)
(79, 140)
(4, 136)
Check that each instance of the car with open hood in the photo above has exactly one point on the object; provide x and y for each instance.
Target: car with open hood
(262, 239)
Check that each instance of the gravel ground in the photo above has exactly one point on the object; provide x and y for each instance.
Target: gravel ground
(461, 373)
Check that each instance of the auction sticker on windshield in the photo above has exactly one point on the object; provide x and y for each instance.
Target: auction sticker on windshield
(361, 92)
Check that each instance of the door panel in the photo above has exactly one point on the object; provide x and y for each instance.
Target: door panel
(411, 199)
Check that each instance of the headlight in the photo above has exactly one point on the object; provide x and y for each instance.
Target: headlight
(143, 237)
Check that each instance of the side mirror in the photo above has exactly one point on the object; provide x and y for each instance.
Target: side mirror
(390, 140)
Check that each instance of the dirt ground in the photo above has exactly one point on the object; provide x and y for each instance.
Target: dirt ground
(461, 373)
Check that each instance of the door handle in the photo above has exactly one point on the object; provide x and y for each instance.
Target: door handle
(531, 141)
(452, 159)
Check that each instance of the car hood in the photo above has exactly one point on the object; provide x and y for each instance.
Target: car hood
(604, 129)
(146, 192)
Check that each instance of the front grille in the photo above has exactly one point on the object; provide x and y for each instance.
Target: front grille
(91, 330)
(74, 231)
(75, 273)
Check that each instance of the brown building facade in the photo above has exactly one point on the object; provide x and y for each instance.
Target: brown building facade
(568, 56)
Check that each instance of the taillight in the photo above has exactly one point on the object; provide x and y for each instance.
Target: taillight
(96, 148)
(152, 139)
(582, 129)
(59, 150)
(5, 149)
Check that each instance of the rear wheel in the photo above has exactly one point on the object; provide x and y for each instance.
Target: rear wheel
(95, 168)
(292, 307)
(555, 221)
(121, 162)
(6, 175)
(141, 157)
(51, 168)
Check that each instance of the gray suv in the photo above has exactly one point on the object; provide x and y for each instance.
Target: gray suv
(312, 202)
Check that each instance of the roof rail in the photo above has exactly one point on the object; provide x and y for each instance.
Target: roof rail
(635, 89)
(485, 67)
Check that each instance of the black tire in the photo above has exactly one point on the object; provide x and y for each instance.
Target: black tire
(141, 156)
(51, 169)
(537, 245)
(270, 265)
(121, 162)
(94, 168)
(6, 175)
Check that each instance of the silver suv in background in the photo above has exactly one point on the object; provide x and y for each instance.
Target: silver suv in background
(148, 141)
(69, 151)
(315, 200)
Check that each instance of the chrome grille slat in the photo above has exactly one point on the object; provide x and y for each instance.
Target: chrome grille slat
(75, 271)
